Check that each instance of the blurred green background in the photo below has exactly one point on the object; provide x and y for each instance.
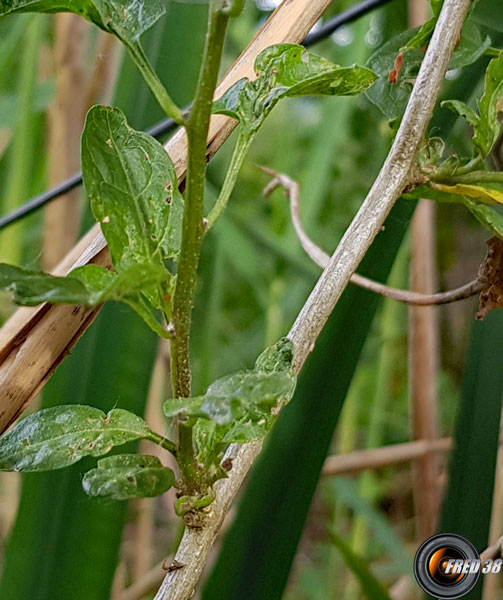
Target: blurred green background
(293, 534)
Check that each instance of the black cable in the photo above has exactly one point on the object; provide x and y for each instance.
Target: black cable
(348, 16)
(158, 130)
(168, 125)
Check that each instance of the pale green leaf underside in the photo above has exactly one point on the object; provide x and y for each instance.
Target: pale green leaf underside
(60, 436)
(126, 476)
(288, 70)
(87, 286)
(127, 19)
(132, 186)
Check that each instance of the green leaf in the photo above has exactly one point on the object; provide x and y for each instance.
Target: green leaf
(127, 476)
(133, 189)
(64, 547)
(391, 96)
(370, 586)
(88, 286)
(432, 151)
(244, 395)
(123, 18)
(462, 109)
(60, 436)
(288, 70)
(471, 46)
(132, 186)
(436, 6)
(487, 130)
(276, 358)
(237, 408)
(490, 218)
(422, 34)
(486, 126)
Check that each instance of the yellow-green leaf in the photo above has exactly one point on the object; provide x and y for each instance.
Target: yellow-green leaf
(482, 194)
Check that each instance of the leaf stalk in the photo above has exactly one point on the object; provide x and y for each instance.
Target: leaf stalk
(155, 84)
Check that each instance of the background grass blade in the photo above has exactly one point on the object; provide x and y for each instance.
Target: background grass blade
(370, 586)
(467, 503)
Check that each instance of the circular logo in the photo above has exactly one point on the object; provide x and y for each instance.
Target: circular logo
(447, 566)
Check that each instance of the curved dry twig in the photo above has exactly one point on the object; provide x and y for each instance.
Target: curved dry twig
(393, 178)
(321, 258)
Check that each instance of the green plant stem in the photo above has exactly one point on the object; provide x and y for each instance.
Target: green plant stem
(162, 442)
(491, 51)
(470, 166)
(155, 84)
(476, 177)
(233, 8)
(240, 151)
(193, 230)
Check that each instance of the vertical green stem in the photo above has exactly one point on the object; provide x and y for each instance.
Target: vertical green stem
(197, 126)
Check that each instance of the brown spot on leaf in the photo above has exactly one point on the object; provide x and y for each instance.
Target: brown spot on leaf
(397, 67)
(491, 275)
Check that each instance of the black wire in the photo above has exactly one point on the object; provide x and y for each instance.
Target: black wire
(168, 125)
(158, 130)
(348, 16)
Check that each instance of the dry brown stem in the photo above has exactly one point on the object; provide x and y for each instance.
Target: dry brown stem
(376, 458)
(321, 258)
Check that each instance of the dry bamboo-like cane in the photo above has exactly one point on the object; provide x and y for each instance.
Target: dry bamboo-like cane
(375, 458)
(34, 342)
(423, 347)
(392, 179)
(66, 118)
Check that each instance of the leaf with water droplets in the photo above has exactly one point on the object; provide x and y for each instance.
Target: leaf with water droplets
(60, 436)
